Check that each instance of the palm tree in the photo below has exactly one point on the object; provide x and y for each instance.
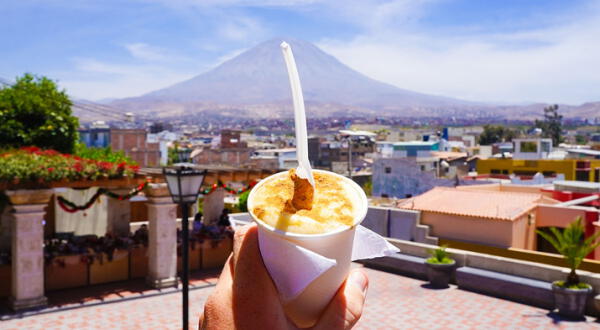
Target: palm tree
(572, 244)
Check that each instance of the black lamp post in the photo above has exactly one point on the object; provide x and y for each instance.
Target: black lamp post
(184, 182)
(183, 154)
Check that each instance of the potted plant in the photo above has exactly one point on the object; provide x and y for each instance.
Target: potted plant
(570, 295)
(439, 267)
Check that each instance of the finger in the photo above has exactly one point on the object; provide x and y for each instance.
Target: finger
(255, 299)
(218, 307)
(346, 307)
(238, 239)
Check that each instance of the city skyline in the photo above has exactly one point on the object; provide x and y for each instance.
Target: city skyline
(511, 52)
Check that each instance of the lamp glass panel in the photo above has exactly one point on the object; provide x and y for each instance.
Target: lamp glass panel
(173, 186)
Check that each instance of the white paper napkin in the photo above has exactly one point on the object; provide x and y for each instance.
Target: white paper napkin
(293, 268)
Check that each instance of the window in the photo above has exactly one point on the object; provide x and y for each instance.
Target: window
(384, 195)
(388, 170)
(493, 171)
(527, 146)
(545, 146)
(504, 171)
(422, 168)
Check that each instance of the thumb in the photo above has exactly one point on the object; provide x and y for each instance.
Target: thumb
(346, 307)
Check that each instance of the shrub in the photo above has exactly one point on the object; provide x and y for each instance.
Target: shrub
(440, 256)
(34, 112)
(573, 246)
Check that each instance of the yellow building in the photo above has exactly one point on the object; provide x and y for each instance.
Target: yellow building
(573, 169)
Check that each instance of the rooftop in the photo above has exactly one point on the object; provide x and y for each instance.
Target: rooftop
(393, 302)
(497, 205)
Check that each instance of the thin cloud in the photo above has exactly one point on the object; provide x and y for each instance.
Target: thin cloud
(553, 64)
(146, 52)
(95, 79)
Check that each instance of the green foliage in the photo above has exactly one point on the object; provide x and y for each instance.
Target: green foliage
(573, 246)
(492, 134)
(368, 187)
(551, 125)
(580, 139)
(104, 154)
(173, 154)
(34, 112)
(580, 285)
(440, 256)
(243, 201)
(31, 164)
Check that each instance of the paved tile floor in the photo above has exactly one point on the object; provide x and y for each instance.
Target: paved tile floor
(394, 302)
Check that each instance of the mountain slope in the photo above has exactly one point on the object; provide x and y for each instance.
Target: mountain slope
(259, 76)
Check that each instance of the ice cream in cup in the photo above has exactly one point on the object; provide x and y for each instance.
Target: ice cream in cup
(326, 229)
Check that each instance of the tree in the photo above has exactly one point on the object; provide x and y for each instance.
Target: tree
(551, 125)
(493, 134)
(572, 244)
(34, 112)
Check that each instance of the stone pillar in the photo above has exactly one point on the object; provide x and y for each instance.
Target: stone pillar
(27, 239)
(213, 206)
(118, 214)
(162, 237)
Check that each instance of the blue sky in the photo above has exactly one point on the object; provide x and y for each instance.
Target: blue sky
(496, 51)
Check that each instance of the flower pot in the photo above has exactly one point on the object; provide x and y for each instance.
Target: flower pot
(138, 262)
(439, 274)
(65, 272)
(5, 280)
(570, 302)
(110, 271)
(216, 252)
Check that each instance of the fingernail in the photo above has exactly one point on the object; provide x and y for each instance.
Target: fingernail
(358, 279)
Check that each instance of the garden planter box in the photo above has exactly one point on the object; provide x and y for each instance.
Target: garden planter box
(216, 252)
(110, 271)
(5, 280)
(65, 272)
(194, 257)
(138, 262)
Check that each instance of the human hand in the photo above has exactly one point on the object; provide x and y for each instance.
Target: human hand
(246, 298)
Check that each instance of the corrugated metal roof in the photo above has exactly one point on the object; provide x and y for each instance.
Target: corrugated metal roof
(483, 204)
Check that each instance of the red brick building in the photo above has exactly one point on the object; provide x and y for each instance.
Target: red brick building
(231, 138)
(134, 143)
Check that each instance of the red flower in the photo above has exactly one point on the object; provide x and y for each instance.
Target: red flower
(50, 169)
(134, 168)
(107, 166)
(30, 149)
(121, 166)
(48, 152)
(78, 167)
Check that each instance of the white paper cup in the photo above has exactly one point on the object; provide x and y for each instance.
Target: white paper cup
(306, 308)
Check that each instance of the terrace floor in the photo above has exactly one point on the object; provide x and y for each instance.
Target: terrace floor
(393, 302)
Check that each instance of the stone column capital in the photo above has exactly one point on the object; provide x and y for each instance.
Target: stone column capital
(157, 190)
(29, 196)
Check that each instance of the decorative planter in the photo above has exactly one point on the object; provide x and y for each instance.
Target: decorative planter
(5, 280)
(138, 262)
(439, 274)
(570, 302)
(110, 271)
(107, 183)
(194, 256)
(216, 252)
(66, 272)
